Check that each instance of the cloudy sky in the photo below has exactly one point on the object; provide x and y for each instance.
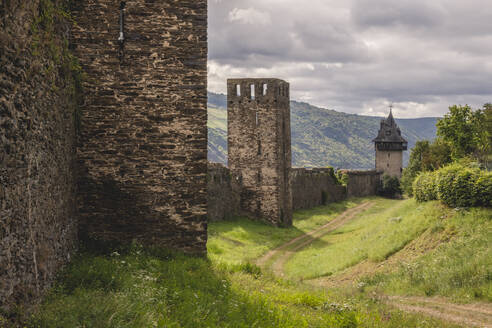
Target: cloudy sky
(358, 56)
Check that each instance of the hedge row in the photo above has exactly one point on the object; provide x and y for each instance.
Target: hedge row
(455, 185)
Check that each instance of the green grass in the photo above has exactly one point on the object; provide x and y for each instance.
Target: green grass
(243, 240)
(157, 288)
(373, 235)
(460, 269)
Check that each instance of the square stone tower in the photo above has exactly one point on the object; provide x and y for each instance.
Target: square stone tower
(143, 139)
(389, 146)
(259, 143)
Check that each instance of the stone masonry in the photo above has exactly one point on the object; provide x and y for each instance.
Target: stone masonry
(38, 226)
(259, 146)
(143, 144)
(223, 192)
(315, 187)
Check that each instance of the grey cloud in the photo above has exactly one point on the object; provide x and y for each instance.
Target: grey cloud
(354, 55)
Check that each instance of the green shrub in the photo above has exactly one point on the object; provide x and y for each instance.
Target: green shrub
(456, 185)
(425, 187)
(484, 189)
(461, 184)
(389, 187)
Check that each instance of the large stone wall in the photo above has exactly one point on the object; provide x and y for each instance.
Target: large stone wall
(38, 231)
(143, 151)
(315, 187)
(362, 183)
(223, 193)
(309, 188)
(259, 146)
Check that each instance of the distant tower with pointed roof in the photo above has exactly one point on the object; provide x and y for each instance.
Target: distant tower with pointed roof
(389, 146)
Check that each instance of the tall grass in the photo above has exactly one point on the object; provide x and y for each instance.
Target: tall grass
(460, 268)
(157, 288)
(373, 235)
(243, 240)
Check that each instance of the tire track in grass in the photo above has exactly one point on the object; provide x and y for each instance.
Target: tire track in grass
(469, 315)
(281, 254)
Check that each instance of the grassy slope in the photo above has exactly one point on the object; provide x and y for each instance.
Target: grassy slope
(152, 288)
(333, 138)
(460, 266)
(243, 240)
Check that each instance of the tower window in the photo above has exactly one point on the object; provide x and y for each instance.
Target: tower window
(259, 147)
(238, 90)
(265, 89)
(252, 91)
(389, 155)
(257, 119)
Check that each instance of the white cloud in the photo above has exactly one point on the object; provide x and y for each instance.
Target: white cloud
(249, 16)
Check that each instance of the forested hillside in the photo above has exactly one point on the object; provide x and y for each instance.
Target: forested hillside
(321, 137)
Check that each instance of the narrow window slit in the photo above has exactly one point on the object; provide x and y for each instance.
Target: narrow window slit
(265, 89)
(252, 91)
(238, 90)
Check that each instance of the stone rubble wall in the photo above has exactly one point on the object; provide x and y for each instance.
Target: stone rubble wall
(38, 226)
(310, 188)
(314, 187)
(143, 149)
(223, 193)
(362, 183)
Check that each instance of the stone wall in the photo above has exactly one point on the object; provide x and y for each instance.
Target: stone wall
(315, 187)
(143, 152)
(259, 146)
(362, 183)
(310, 188)
(223, 193)
(38, 231)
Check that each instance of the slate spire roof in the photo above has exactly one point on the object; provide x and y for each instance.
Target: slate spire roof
(389, 130)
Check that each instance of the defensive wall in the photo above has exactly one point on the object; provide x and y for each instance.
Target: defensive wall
(310, 188)
(38, 225)
(124, 158)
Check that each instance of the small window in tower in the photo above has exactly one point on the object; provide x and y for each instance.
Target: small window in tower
(265, 89)
(388, 165)
(259, 176)
(257, 119)
(388, 133)
(388, 155)
(259, 147)
(238, 90)
(252, 91)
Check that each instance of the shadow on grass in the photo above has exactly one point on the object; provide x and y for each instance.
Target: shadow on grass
(154, 287)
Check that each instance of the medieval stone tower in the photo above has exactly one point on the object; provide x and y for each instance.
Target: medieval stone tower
(143, 140)
(260, 147)
(389, 146)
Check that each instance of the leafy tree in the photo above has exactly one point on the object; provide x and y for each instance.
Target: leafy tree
(487, 142)
(465, 130)
(425, 156)
(390, 187)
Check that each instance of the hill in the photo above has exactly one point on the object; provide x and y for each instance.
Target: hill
(321, 137)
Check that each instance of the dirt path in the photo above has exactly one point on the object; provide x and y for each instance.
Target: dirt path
(282, 253)
(468, 315)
